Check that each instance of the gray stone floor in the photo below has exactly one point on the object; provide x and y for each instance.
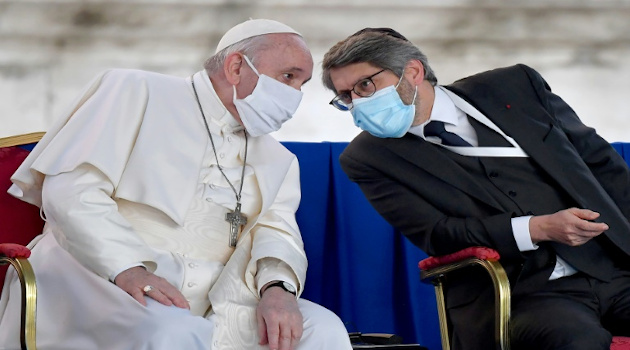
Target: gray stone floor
(50, 49)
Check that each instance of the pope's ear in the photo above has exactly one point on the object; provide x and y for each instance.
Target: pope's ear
(232, 68)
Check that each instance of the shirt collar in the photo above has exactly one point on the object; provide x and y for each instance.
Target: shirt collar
(212, 106)
(444, 110)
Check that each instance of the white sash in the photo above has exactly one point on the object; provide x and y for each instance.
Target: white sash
(515, 151)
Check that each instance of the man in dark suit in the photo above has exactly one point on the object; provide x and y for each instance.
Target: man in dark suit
(497, 160)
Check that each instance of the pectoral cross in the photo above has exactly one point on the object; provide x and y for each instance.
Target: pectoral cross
(236, 220)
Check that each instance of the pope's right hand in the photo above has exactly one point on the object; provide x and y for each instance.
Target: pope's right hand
(135, 279)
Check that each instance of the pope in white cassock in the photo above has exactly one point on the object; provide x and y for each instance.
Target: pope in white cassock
(170, 213)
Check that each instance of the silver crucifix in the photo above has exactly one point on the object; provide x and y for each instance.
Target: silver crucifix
(236, 220)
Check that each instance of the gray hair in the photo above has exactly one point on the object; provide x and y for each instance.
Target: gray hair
(248, 47)
(377, 48)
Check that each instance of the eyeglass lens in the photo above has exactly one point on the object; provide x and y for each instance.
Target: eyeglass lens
(363, 88)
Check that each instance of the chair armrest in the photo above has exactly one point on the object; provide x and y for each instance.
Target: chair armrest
(620, 343)
(433, 269)
(482, 253)
(16, 255)
(12, 250)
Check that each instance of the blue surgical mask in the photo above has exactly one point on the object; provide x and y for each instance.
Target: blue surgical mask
(384, 114)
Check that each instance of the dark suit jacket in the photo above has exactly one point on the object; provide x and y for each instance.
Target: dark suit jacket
(441, 209)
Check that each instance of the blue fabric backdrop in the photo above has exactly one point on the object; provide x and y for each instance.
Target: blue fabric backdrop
(359, 266)
(624, 149)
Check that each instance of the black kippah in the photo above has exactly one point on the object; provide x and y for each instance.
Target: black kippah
(387, 31)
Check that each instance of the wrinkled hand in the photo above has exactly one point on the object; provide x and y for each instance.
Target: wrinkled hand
(133, 281)
(279, 320)
(570, 226)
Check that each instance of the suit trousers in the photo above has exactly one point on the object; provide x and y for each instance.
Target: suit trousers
(574, 313)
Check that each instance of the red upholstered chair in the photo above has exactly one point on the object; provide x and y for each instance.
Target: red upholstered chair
(19, 224)
(434, 269)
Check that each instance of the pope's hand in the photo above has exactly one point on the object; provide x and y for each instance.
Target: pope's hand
(135, 279)
(279, 319)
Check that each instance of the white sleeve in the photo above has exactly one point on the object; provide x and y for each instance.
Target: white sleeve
(520, 230)
(277, 236)
(86, 222)
(271, 269)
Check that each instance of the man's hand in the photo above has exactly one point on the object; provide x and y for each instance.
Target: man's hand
(134, 280)
(570, 226)
(279, 319)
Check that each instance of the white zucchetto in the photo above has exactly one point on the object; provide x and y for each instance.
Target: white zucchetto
(252, 28)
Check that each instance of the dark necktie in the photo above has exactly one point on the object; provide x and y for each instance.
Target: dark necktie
(436, 128)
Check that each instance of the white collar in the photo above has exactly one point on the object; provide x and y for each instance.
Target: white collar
(213, 108)
(444, 110)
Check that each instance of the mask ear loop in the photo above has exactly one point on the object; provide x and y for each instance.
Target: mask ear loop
(400, 79)
(249, 63)
(415, 94)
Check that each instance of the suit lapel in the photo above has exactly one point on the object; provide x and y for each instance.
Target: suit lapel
(532, 128)
(427, 156)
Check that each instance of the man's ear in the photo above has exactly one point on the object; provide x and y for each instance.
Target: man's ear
(232, 67)
(415, 71)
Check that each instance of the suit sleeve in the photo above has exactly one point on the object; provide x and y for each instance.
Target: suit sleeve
(608, 167)
(431, 214)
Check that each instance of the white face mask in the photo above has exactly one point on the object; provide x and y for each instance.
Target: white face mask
(269, 105)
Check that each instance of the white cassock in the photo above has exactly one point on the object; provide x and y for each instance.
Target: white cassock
(145, 189)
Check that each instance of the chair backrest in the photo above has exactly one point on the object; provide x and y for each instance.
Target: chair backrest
(19, 221)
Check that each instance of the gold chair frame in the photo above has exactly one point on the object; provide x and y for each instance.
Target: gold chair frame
(501, 290)
(29, 299)
(22, 139)
(23, 267)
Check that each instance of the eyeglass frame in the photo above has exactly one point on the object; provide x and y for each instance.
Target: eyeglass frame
(335, 102)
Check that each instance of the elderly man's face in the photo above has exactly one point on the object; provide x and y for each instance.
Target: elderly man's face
(286, 59)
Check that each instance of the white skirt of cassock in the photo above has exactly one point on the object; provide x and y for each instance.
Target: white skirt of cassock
(76, 309)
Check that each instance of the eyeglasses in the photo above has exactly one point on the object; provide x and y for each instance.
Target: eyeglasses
(363, 88)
